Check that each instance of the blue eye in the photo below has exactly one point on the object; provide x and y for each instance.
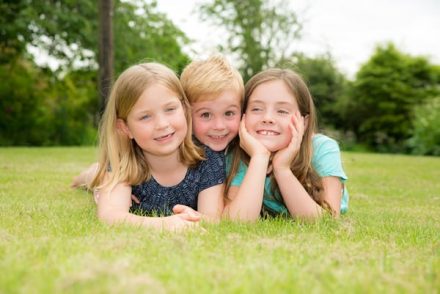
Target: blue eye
(145, 117)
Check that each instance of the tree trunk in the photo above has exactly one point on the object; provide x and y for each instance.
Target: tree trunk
(105, 51)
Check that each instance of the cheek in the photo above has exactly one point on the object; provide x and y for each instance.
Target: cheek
(234, 125)
(249, 121)
(287, 133)
(199, 127)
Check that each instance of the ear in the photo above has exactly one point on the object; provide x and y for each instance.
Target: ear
(121, 126)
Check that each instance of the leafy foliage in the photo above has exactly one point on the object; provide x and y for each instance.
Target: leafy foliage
(260, 32)
(144, 34)
(383, 96)
(327, 85)
(23, 113)
(426, 128)
(39, 107)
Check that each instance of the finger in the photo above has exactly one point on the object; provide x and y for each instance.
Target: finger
(242, 130)
(178, 208)
(135, 199)
(298, 121)
(190, 217)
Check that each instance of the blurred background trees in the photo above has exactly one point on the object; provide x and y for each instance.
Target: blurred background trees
(391, 105)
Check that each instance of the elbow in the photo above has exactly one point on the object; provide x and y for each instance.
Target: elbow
(108, 217)
(309, 216)
(240, 217)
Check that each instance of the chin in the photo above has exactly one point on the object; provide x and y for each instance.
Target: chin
(216, 147)
(275, 148)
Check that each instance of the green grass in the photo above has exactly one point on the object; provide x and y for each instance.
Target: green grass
(51, 241)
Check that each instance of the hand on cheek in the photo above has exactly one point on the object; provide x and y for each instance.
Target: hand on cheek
(284, 157)
(248, 143)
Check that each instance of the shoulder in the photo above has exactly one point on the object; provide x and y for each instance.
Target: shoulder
(322, 143)
(326, 157)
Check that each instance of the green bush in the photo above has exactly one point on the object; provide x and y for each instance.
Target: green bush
(426, 128)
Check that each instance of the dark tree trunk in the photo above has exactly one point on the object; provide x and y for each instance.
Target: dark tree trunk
(105, 51)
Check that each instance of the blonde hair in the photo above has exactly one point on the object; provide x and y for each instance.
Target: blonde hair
(302, 164)
(119, 153)
(210, 77)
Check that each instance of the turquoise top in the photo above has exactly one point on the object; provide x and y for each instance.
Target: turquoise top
(326, 161)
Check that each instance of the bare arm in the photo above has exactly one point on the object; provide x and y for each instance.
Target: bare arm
(333, 193)
(210, 203)
(299, 203)
(246, 200)
(85, 177)
(114, 206)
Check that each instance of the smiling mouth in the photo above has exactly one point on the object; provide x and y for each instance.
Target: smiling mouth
(218, 137)
(162, 138)
(267, 133)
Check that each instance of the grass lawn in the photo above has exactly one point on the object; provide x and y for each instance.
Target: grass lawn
(51, 241)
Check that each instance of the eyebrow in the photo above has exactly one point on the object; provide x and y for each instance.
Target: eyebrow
(211, 109)
(277, 103)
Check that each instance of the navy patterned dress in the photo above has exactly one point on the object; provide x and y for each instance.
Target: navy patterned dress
(160, 200)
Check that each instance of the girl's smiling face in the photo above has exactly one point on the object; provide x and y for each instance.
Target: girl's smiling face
(268, 114)
(157, 121)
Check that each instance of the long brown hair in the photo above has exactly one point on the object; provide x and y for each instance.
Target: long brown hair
(301, 166)
(116, 150)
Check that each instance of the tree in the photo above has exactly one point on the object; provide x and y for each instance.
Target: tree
(39, 107)
(61, 28)
(384, 93)
(260, 32)
(22, 106)
(425, 137)
(144, 34)
(105, 55)
(327, 85)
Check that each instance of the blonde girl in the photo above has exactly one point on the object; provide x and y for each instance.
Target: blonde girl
(284, 167)
(146, 150)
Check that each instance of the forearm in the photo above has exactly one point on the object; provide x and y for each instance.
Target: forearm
(117, 217)
(246, 204)
(299, 203)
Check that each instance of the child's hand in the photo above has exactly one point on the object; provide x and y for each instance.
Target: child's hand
(249, 144)
(191, 213)
(284, 157)
(184, 218)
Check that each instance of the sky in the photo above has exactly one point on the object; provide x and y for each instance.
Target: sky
(349, 29)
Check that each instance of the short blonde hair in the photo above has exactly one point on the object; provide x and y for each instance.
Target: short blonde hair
(117, 151)
(210, 77)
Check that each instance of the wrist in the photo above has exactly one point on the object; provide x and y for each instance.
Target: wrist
(281, 169)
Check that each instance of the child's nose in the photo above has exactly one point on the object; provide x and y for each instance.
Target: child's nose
(161, 122)
(219, 124)
(267, 117)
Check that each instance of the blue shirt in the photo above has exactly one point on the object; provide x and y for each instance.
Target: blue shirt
(157, 199)
(326, 161)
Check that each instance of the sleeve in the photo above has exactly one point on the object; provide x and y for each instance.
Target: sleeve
(239, 176)
(212, 170)
(326, 159)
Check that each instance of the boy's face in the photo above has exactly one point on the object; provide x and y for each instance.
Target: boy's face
(216, 119)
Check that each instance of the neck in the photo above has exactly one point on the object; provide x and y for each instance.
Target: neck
(167, 170)
(163, 163)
